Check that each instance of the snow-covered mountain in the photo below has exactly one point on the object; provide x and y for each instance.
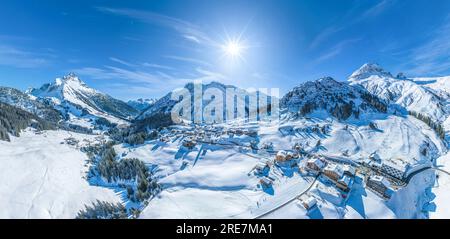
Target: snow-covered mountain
(29, 103)
(141, 104)
(401, 91)
(214, 167)
(73, 97)
(158, 113)
(338, 98)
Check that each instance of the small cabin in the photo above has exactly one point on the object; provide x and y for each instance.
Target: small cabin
(189, 143)
(308, 203)
(262, 168)
(265, 182)
(281, 156)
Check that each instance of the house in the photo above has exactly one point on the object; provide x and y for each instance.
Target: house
(189, 143)
(262, 168)
(349, 170)
(344, 183)
(281, 156)
(333, 171)
(380, 185)
(308, 203)
(291, 155)
(265, 182)
(375, 157)
(315, 164)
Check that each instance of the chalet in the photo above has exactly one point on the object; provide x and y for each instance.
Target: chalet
(380, 185)
(265, 182)
(281, 156)
(344, 183)
(315, 164)
(189, 143)
(349, 170)
(308, 203)
(261, 168)
(375, 157)
(333, 171)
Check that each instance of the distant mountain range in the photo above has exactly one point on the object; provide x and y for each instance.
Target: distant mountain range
(368, 89)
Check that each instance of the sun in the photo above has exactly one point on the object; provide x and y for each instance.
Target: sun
(233, 49)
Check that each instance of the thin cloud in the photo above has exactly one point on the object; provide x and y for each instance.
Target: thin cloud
(188, 59)
(378, 9)
(145, 82)
(336, 50)
(187, 30)
(158, 66)
(349, 19)
(125, 63)
(432, 57)
(12, 56)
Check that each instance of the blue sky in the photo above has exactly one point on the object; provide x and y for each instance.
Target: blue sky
(133, 49)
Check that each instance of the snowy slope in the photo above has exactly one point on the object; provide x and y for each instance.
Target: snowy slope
(401, 91)
(441, 190)
(441, 87)
(215, 182)
(338, 98)
(42, 178)
(29, 103)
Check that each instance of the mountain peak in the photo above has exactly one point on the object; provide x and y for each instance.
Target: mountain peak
(71, 77)
(369, 69)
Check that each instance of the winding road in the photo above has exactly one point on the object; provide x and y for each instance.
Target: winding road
(289, 201)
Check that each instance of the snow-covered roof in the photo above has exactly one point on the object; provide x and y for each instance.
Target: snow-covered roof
(319, 163)
(309, 202)
(335, 168)
(380, 179)
(349, 168)
(281, 153)
(345, 180)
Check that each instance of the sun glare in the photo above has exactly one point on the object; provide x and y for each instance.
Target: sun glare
(233, 49)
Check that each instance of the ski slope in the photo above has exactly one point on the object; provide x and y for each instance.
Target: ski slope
(42, 178)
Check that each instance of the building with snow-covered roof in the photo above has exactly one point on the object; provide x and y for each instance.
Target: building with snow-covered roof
(375, 157)
(344, 183)
(333, 171)
(189, 143)
(315, 164)
(379, 184)
(265, 182)
(281, 156)
(308, 202)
